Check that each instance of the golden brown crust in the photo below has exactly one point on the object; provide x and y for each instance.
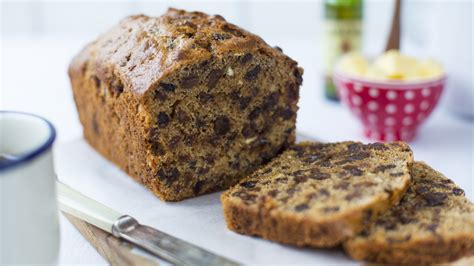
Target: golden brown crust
(414, 253)
(434, 223)
(159, 46)
(277, 203)
(185, 103)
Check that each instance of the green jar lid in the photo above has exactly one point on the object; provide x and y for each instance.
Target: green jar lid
(343, 9)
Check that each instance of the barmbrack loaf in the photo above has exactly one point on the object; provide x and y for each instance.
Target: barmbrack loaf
(319, 194)
(185, 103)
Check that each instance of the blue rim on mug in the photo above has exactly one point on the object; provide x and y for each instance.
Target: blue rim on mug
(28, 156)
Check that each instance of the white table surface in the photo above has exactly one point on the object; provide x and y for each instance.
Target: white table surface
(34, 79)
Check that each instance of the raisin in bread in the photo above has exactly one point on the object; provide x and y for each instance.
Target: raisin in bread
(434, 223)
(185, 103)
(318, 194)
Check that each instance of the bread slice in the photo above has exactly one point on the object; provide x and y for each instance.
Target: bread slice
(434, 223)
(317, 194)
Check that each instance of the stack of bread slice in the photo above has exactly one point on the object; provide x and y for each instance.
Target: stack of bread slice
(372, 199)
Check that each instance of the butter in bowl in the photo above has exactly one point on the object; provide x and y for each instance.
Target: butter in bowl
(391, 95)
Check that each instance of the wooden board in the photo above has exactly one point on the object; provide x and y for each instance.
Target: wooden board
(112, 249)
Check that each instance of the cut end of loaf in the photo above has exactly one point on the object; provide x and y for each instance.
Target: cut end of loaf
(219, 120)
(319, 194)
(434, 223)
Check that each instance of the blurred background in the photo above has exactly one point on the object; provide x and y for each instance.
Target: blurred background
(38, 39)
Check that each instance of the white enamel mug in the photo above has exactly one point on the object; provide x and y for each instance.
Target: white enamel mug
(29, 226)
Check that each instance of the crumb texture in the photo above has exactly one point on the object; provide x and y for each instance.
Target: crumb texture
(317, 194)
(434, 223)
(185, 103)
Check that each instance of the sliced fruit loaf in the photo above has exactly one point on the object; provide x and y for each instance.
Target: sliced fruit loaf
(317, 194)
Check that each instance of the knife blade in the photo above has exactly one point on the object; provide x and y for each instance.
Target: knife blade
(165, 246)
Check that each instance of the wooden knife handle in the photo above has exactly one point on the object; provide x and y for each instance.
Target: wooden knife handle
(393, 41)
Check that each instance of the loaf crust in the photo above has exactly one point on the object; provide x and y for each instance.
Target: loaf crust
(318, 194)
(434, 223)
(185, 103)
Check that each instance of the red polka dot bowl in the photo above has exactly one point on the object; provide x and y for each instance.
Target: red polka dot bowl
(389, 110)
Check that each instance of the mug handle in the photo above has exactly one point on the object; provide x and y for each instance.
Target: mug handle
(77, 204)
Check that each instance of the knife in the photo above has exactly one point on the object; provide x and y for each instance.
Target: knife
(169, 248)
